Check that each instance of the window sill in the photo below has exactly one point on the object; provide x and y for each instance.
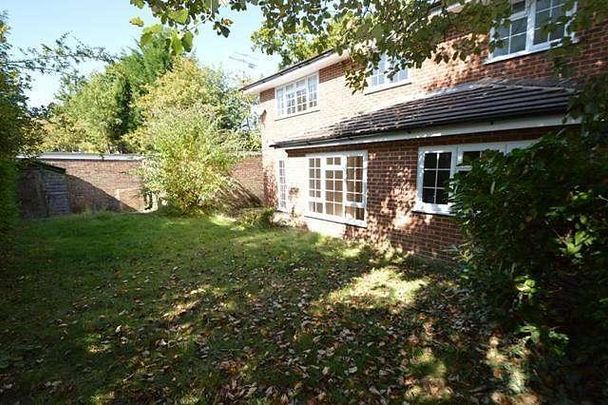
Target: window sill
(338, 220)
(434, 213)
(418, 209)
(378, 89)
(286, 117)
(547, 47)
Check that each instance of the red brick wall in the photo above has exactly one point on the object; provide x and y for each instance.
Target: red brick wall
(115, 185)
(102, 184)
(392, 166)
(249, 173)
(391, 195)
(336, 101)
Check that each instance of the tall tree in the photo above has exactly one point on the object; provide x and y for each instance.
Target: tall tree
(191, 136)
(294, 47)
(17, 135)
(186, 85)
(95, 114)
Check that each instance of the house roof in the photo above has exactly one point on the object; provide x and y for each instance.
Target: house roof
(293, 72)
(288, 69)
(481, 101)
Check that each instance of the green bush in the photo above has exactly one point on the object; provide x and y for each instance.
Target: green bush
(536, 229)
(256, 217)
(18, 135)
(189, 166)
(8, 206)
(191, 136)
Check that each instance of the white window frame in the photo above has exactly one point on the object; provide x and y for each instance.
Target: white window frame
(280, 96)
(457, 153)
(282, 202)
(430, 207)
(530, 12)
(388, 83)
(343, 164)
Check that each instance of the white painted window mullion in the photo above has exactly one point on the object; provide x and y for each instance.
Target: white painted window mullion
(531, 10)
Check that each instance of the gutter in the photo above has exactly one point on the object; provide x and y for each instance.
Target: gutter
(295, 72)
(431, 132)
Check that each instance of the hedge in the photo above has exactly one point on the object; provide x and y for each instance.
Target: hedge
(8, 206)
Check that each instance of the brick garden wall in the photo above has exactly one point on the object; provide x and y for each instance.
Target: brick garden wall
(102, 184)
(113, 183)
(250, 174)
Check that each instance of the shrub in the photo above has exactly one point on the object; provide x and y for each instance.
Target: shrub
(8, 205)
(192, 136)
(256, 217)
(18, 134)
(187, 85)
(536, 226)
(190, 160)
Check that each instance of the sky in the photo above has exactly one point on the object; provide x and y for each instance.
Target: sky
(106, 23)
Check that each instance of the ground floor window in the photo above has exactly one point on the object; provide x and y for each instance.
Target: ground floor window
(437, 164)
(282, 186)
(337, 186)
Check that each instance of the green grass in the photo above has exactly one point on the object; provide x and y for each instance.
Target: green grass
(134, 308)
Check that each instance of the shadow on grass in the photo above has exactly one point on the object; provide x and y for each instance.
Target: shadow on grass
(123, 308)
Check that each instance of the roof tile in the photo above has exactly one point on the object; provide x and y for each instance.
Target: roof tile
(469, 103)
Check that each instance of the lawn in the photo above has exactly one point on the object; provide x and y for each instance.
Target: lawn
(134, 308)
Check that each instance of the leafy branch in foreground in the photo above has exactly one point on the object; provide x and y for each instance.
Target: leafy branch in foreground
(95, 113)
(292, 48)
(408, 32)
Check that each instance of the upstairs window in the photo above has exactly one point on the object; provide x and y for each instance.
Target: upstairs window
(514, 34)
(548, 11)
(380, 77)
(297, 97)
(526, 30)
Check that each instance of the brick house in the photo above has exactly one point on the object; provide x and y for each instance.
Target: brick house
(373, 164)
